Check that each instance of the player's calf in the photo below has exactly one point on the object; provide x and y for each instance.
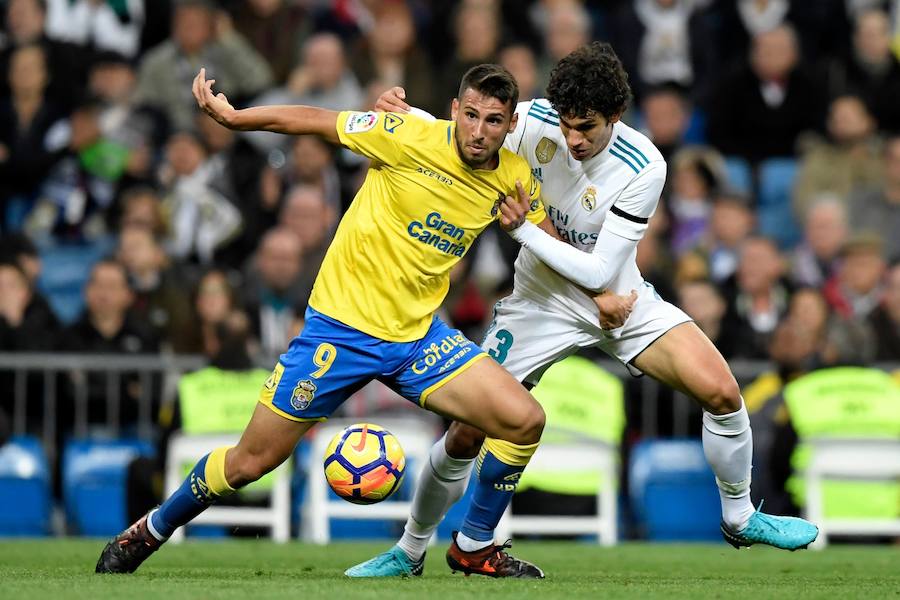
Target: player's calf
(463, 441)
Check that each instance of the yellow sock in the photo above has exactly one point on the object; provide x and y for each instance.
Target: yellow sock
(215, 472)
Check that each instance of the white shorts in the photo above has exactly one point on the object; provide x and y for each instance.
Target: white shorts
(527, 337)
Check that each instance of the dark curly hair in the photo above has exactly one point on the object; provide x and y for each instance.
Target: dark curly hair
(590, 80)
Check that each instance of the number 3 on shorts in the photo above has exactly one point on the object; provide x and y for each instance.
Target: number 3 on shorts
(324, 358)
(505, 339)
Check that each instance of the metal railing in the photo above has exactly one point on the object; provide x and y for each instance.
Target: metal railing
(167, 368)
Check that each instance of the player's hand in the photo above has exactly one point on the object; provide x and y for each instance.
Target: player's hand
(392, 100)
(614, 309)
(215, 105)
(514, 210)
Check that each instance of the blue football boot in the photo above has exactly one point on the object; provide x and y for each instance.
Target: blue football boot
(393, 563)
(787, 533)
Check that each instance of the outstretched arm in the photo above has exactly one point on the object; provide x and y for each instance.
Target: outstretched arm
(293, 120)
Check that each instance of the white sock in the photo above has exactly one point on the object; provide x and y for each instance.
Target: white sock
(152, 529)
(467, 544)
(728, 446)
(441, 483)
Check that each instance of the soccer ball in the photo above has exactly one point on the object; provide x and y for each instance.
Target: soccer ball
(364, 464)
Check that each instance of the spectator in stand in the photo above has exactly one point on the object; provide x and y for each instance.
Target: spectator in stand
(757, 298)
(851, 158)
(703, 302)
(871, 70)
(825, 230)
(566, 26)
(199, 40)
(322, 79)
(203, 218)
(140, 128)
(276, 295)
(78, 192)
(477, 30)
(730, 224)
(519, 59)
(306, 213)
(18, 248)
(759, 111)
(389, 55)
(311, 163)
(159, 299)
(697, 175)
(277, 29)
(98, 24)
(855, 290)
(26, 322)
(740, 21)
(665, 41)
(239, 172)
(142, 206)
(885, 320)
(26, 325)
(66, 63)
(213, 300)
(666, 116)
(877, 209)
(28, 151)
(107, 326)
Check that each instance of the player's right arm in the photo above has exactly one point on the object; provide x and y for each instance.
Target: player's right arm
(292, 120)
(624, 227)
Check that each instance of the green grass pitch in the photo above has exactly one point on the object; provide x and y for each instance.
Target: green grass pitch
(251, 570)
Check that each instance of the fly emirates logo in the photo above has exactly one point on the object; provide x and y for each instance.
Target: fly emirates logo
(437, 232)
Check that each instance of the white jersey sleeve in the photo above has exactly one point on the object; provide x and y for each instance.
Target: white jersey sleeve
(630, 213)
(592, 270)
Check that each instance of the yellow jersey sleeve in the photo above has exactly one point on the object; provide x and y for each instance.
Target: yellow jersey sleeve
(379, 136)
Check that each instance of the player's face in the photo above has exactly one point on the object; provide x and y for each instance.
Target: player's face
(482, 123)
(586, 136)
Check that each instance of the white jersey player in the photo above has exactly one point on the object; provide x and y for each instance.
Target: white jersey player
(611, 194)
(601, 183)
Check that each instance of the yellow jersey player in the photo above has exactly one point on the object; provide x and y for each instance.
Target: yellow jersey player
(432, 187)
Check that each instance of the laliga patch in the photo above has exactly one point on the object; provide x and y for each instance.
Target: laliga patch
(545, 150)
(359, 122)
(303, 394)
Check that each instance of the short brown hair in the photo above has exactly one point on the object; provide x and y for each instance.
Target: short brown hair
(491, 80)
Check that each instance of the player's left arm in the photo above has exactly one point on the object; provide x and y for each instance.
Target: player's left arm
(623, 229)
(292, 120)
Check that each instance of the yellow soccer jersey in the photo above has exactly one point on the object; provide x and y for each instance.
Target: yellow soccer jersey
(416, 215)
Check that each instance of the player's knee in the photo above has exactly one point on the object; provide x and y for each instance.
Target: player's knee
(724, 396)
(463, 441)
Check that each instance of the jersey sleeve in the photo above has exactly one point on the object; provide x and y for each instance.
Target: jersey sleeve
(630, 213)
(379, 136)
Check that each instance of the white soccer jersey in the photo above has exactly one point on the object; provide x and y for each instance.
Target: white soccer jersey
(618, 188)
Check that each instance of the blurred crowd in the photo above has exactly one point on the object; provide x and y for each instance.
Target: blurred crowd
(102, 147)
